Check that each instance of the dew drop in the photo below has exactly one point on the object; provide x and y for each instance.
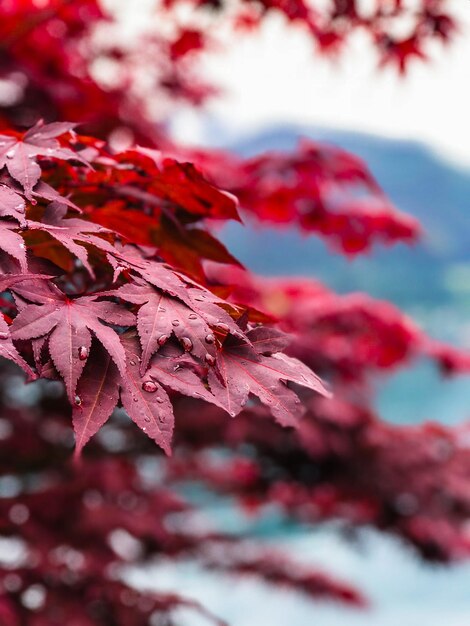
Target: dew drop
(223, 327)
(4, 335)
(187, 344)
(162, 340)
(210, 338)
(147, 419)
(160, 400)
(19, 208)
(132, 362)
(192, 316)
(209, 359)
(162, 309)
(135, 399)
(83, 353)
(10, 154)
(175, 323)
(149, 386)
(78, 401)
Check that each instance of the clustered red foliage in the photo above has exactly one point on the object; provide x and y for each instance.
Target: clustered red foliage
(118, 300)
(65, 85)
(320, 189)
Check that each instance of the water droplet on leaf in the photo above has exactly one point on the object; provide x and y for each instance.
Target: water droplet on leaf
(162, 340)
(187, 344)
(209, 359)
(149, 386)
(210, 338)
(83, 353)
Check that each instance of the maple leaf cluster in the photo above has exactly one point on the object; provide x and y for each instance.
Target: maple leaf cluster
(154, 330)
(317, 188)
(118, 301)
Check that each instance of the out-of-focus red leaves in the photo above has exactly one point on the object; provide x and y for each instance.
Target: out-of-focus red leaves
(321, 189)
(188, 41)
(400, 53)
(450, 360)
(343, 463)
(62, 81)
(275, 568)
(88, 521)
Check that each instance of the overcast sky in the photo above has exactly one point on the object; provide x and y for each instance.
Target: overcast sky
(275, 77)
